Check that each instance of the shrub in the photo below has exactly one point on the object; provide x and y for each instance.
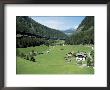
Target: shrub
(88, 61)
(32, 58)
(92, 54)
(27, 57)
(22, 55)
(74, 54)
(34, 53)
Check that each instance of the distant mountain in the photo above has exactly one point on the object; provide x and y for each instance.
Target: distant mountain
(69, 31)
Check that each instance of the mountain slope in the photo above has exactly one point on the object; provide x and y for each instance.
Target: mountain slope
(84, 33)
(31, 33)
(86, 24)
(26, 25)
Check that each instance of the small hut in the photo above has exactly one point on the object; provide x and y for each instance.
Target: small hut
(81, 56)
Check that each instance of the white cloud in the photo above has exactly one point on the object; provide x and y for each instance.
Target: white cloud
(52, 23)
(59, 23)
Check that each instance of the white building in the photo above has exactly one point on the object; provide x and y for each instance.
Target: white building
(81, 56)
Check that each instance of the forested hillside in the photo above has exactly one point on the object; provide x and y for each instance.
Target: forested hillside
(31, 33)
(26, 25)
(84, 33)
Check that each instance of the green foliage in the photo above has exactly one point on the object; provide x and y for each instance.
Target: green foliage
(86, 24)
(74, 54)
(92, 54)
(22, 55)
(30, 52)
(32, 58)
(88, 61)
(29, 41)
(27, 57)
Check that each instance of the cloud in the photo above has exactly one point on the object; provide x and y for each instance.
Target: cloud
(52, 23)
(59, 23)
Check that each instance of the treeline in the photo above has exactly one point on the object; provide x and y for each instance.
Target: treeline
(30, 41)
(31, 33)
(84, 33)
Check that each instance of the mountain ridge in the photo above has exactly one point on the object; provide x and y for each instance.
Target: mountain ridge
(84, 34)
(26, 25)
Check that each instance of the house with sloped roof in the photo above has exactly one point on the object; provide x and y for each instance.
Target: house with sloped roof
(81, 56)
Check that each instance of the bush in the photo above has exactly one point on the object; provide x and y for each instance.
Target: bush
(32, 58)
(27, 57)
(22, 55)
(92, 54)
(92, 63)
(74, 54)
(34, 53)
(88, 61)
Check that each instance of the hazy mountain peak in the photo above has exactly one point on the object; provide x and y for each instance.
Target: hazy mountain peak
(69, 31)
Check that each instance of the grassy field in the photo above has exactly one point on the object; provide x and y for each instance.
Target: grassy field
(52, 62)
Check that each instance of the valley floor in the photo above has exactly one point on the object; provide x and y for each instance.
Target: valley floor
(52, 62)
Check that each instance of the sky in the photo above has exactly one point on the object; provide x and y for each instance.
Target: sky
(59, 22)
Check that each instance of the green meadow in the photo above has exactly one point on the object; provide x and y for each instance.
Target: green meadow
(52, 62)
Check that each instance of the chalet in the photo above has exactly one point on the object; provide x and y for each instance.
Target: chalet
(81, 56)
